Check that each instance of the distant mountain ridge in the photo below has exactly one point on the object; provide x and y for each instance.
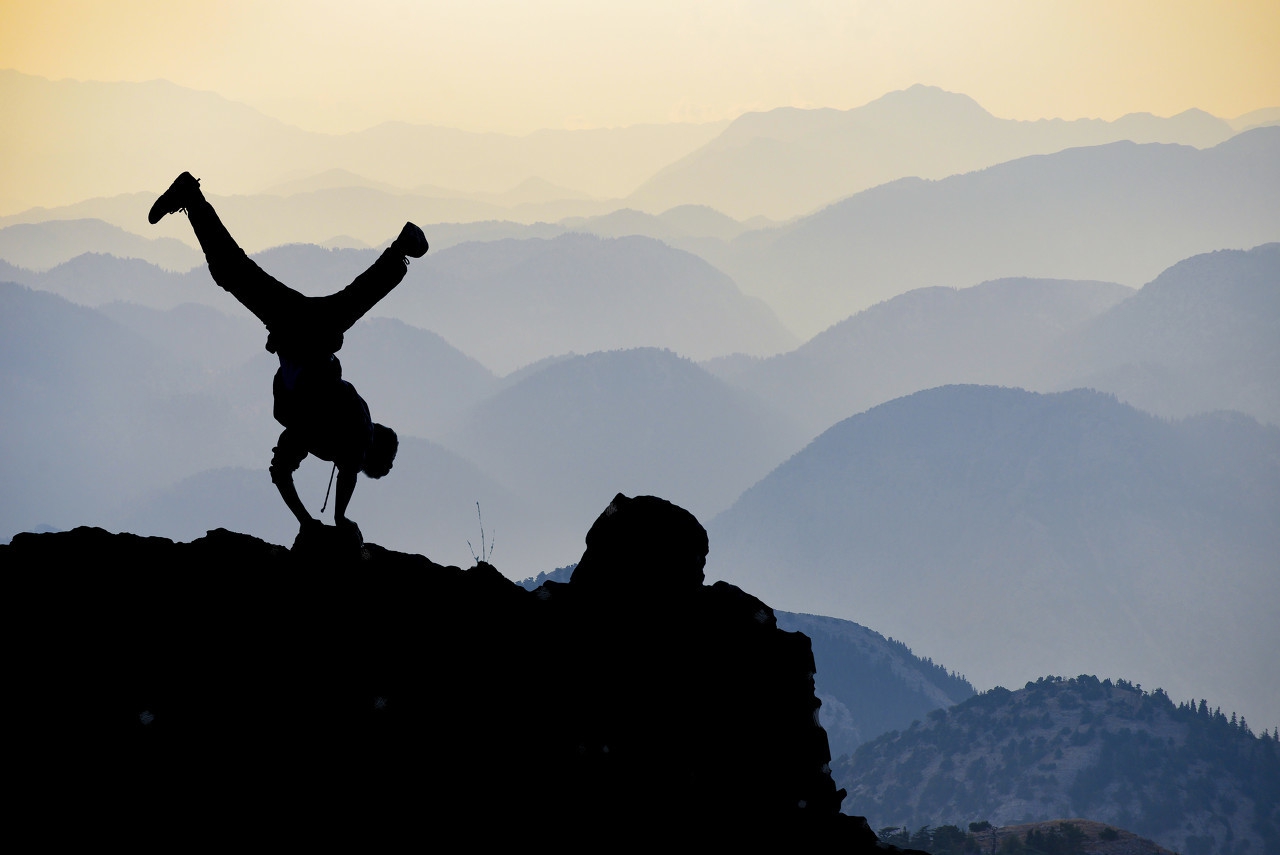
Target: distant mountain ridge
(364, 214)
(158, 129)
(779, 164)
(1203, 335)
(992, 333)
(508, 302)
(644, 421)
(1181, 774)
(789, 162)
(40, 246)
(1121, 212)
(1020, 531)
(869, 684)
(96, 414)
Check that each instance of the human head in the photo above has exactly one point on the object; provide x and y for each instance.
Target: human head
(382, 453)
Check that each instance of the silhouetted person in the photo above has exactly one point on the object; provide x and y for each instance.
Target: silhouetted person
(322, 414)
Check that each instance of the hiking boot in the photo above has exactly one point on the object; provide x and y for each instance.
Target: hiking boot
(182, 193)
(411, 242)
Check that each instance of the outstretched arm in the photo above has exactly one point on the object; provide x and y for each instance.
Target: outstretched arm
(346, 487)
(285, 459)
(284, 483)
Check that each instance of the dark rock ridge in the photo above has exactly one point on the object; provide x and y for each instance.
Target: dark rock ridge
(867, 684)
(212, 685)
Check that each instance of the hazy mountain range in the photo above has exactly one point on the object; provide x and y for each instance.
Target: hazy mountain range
(94, 279)
(40, 246)
(1120, 212)
(993, 333)
(41, 239)
(510, 303)
(787, 162)
(68, 140)
(637, 421)
(1018, 530)
(507, 303)
(1204, 335)
(94, 414)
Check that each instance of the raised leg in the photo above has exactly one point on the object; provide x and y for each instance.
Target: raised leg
(341, 310)
(347, 306)
(273, 302)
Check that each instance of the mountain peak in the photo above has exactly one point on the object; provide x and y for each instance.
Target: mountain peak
(920, 94)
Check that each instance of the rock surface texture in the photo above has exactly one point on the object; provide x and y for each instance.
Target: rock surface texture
(209, 688)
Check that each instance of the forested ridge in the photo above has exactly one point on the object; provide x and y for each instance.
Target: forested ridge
(1184, 774)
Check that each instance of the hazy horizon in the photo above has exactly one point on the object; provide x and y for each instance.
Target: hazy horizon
(516, 68)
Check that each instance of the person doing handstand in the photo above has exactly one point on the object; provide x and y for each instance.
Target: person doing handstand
(322, 414)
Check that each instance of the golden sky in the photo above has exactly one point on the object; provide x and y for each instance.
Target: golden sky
(519, 65)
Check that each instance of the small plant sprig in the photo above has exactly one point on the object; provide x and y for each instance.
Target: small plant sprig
(486, 550)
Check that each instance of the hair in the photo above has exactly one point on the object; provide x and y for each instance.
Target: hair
(382, 453)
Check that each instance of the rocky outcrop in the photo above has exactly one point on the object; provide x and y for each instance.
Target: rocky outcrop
(227, 682)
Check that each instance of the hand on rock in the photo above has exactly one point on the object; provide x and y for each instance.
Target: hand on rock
(311, 533)
(349, 531)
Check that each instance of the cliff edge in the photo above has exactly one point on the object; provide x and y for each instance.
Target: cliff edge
(228, 683)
